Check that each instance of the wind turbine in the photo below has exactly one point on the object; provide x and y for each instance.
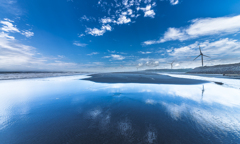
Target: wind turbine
(171, 64)
(201, 54)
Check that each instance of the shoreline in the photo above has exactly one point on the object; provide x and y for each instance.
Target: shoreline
(230, 69)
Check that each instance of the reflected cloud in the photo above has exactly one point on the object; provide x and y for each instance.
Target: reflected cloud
(105, 121)
(125, 127)
(93, 114)
(207, 119)
(150, 101)
(151, 136)
(213, 93)
(217, 110)
(175, 111)
(210, 107)
(212, 119)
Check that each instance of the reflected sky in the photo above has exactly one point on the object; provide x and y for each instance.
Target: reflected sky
(71, 110)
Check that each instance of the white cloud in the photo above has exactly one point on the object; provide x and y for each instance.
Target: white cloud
(106, 20)
(95, 31)
(125, 2)
(177, 64)
(148, 12)
(79, 44)
(27, 33)
(81, 35)
(223, 51)
(174, 2)
(61, 56)
(111, 51)
(123, 20)
(149, 62)
(150, 42)
(17, 56)
(154, 4)
(152, 63)
(87, 18)
(99, 32)
(11, 7)
(8, 26)
(115, 57)
(106, 56)
(173, 34)
(140, 64)
(147, 52)
(4, 35)
(93, 53)
(201, 27)
(124, 13)
(129, 11)
(216, 49)
(170, 34)
(107, 27)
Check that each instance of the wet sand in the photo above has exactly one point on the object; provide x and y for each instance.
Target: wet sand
(141, 77)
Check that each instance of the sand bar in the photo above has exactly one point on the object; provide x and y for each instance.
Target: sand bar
(141, 77)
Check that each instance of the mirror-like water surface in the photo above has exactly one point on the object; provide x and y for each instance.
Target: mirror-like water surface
(69, 110)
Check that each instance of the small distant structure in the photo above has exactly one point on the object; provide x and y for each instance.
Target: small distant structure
(203, 90)
(201, 54)
(171, 64)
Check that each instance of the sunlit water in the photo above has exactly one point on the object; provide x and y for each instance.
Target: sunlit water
(72, 111)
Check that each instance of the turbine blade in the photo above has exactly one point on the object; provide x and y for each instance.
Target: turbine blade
(206, 56)
(200, 49)
(196, 57)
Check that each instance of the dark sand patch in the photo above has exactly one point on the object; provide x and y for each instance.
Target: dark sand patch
(141, 77)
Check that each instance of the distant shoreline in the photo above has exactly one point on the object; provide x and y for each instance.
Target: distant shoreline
(30, 75)
(228, 69)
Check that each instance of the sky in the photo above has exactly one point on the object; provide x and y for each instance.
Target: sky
(117, 35)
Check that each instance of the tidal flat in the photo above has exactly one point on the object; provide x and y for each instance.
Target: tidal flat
(74, 109)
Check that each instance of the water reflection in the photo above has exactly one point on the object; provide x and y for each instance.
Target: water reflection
(68, 110)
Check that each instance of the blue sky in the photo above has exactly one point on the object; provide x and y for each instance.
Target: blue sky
(117, 34)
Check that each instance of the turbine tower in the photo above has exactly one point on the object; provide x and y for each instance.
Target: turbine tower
(171, 64)
(203, 91)
(201, 54)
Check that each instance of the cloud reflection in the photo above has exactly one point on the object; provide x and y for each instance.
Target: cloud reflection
(207, 119)
(218, 109)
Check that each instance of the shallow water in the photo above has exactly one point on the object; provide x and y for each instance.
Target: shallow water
(69, 110)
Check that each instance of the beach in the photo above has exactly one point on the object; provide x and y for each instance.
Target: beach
(29, 75)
